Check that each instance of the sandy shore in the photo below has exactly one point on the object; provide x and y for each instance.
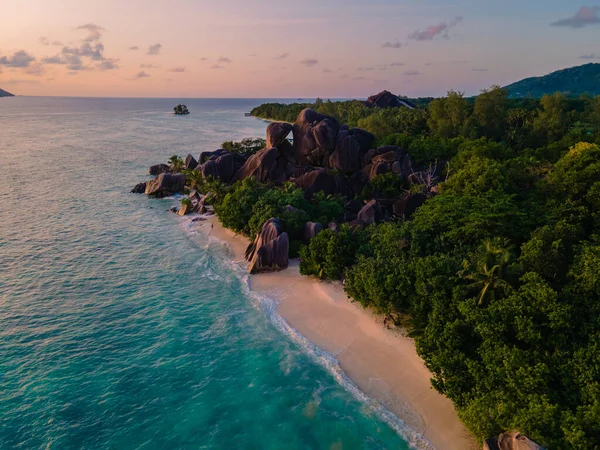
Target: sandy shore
(383, 364)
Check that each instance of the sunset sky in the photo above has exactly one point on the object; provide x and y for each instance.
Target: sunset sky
(285, 48)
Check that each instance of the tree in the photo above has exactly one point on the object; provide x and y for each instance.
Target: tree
(488, 270)
(176, 163)
(448, 117)
(552, 120)
(490, 112)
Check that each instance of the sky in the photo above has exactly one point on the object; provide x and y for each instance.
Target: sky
(287, 48)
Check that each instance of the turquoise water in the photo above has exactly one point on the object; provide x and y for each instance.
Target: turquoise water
(119, 327)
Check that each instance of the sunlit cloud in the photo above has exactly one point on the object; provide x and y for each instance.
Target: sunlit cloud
(587, 15)
(224, 59)
(134, 47)
(19, 59)
(282, 56)
(177, 69)
(142, 74)
(154, 50)
(395, 44)
(309, 62)
(440, 30)
(94, 31)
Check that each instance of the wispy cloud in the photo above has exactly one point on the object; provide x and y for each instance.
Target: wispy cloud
(203, 59)
(358, 78)
(18, 59)
(224, 59)
(431, 32)
(94, 31)
(216, 66)
(327, 71)
(177, 69)
(479, 70)
(142, 74)
(412, 73)
(155, 49)
(44, 40)
(397, 64)
(587, 15)
(108, 64)
(149, 66)
(282, 56)
(589, 56)
(134, 47)
(395, 44)
(309, 62)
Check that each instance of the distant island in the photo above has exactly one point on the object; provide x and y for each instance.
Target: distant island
(4, 93)
(572, 82)
(181, 110)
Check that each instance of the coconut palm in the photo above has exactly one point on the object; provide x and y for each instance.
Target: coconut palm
(194, 178)
(488, 271)
(176, 163)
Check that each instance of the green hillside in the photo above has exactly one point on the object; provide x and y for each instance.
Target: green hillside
(574, 81)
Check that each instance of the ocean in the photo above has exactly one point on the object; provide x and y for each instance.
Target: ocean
(121, 325)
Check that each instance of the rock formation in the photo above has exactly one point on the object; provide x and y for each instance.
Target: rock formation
(269, 251)
(222, 165)
(190, 162)
(166, 184)
(320, 180)
(405, 207)
(139, 188)
(277, 133)
(311, 229)
(385, 99)
(315, 137)
(511, 441)
(265, 165)
(157, 169)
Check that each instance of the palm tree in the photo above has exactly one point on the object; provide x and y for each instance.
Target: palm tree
(176, 163)
(488, 272)
(194, 178)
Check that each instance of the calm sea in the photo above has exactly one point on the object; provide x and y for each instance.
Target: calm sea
(120, 328)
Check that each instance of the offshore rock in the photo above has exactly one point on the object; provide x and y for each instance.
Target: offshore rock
(190, 162)
(166, 184)
(269, 251)
(139, 188)
(157, 169)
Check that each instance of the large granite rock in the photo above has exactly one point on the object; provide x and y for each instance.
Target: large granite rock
(205, 156)
(269, 251)
(352, 146)
(265, 165)
(315, 137)
(277, 133)
(139, 188)
(320, 180)
(311, 229)
(370, 213)
(385, 99)
(406, 207)
(190, 162)
(511, 441)
(166, 184)
(223, 166)
(157, 169)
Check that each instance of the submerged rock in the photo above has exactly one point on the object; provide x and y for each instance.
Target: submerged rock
(139, 188)
(269, 251)
(166, 184)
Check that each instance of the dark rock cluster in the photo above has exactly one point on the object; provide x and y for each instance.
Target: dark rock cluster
(323, 156)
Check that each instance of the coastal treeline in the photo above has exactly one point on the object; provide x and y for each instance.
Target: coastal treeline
(497, 276)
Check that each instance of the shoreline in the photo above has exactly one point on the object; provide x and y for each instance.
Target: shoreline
(384, 365)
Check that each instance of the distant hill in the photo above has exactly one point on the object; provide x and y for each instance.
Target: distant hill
(5, 94)
(573, 82)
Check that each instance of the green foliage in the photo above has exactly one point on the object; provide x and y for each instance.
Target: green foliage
(491, 112)
(236, 209)
(247, 146)
(385, 185)
(448, 116)
(186, 201)
(176, 163)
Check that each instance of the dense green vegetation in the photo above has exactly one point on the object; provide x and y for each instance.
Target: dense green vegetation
(498, 276)
(574, 81)
(247, 146)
